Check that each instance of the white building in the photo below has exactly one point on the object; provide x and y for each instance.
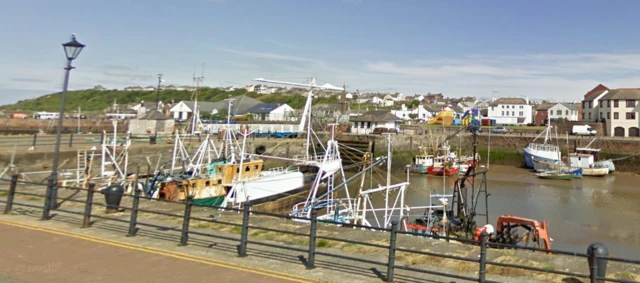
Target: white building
(271, 112)
(563, 111)
(405, 114)
(369, 121)
(510, 111)
(619, 108)
(591, 104)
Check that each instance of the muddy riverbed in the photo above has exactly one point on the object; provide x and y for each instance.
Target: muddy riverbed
(578, 212)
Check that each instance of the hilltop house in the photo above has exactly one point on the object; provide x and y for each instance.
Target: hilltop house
(270, 112)
(240, 104)
(619, 108)
(405, 114)
(432, 98)
(510, 111)
(367, 122)
(590, 103)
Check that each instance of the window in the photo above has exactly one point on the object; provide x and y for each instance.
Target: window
(502, 106)
(507, 106)
(566, 112)
(558, 112)
(631, 115)
(521, 113)
(502, 113)
(615, 103)
(615, 116)
(584, 105)
(589, 116)
(590, 104)
(608, 115)
(601, 115)
(521, 107)
(582, 116)
(513, 113)
(492, 108)
(601, 103)
(631, 103)
(608, 103)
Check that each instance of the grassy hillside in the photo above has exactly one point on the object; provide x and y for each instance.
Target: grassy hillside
(93, 100)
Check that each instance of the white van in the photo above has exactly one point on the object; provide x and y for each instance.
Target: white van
(583, 130)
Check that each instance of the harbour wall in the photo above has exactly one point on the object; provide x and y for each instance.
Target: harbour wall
(503, 150)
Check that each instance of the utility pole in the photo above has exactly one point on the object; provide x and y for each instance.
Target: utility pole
(158, 92)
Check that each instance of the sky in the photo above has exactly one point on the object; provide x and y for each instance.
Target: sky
(554, 50)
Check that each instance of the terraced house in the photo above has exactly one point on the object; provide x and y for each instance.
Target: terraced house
(619, 108)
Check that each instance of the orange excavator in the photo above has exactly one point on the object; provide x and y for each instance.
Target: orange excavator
(506, 232)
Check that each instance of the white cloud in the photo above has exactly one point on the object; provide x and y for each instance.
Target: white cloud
(557, 76)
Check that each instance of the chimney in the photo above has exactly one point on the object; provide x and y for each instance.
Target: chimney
(527, 100)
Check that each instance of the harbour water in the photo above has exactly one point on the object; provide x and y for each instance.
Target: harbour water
(578, 212)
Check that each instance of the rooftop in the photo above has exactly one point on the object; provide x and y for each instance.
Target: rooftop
(261, 108)
(376, 116)
(622, 93)
(508, 101)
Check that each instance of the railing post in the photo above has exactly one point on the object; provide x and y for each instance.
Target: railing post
(134, 214)
(483, 258)
(12, 193)
(593, 264)
(71, 140)
(47, 200)
(391, 262)
(35, 139)
(86, 221)
(598, 257)
(184, 237)
(244, 236)
(311, 259)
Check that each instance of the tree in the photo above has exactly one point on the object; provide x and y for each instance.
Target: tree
(413, 116)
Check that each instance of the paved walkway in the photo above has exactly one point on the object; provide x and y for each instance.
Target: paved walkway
(38, 255)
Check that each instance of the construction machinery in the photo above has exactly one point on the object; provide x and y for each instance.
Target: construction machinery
(535, 233)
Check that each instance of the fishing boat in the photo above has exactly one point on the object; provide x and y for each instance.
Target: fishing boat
(595, 152)
(555, 175)
(588, 165)
(444, 163)
(541, 151)
(421, 162)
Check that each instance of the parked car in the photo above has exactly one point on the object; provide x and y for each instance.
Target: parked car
(499, 130)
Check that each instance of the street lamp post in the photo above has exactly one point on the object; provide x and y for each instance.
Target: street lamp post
(158, 92)
(72, 50)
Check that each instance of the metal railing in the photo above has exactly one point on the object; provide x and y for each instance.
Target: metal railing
(596, 259)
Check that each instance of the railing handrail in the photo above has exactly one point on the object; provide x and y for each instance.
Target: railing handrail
(51, 203)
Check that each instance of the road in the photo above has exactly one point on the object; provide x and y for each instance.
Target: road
(32, 254)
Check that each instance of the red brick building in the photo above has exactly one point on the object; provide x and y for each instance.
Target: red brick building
(541, 113)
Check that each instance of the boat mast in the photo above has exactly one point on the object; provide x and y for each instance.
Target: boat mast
(386, 197)
(196, 111)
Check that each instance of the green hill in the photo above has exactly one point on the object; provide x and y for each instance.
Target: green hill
(96, 100)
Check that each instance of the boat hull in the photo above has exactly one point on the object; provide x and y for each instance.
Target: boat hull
(595, 172)
(268, 187)
(541, 156)
(419, 169)
(439, 171)
(606, 163)
(555, 176)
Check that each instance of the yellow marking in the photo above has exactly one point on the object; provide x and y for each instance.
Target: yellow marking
(183, 256)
